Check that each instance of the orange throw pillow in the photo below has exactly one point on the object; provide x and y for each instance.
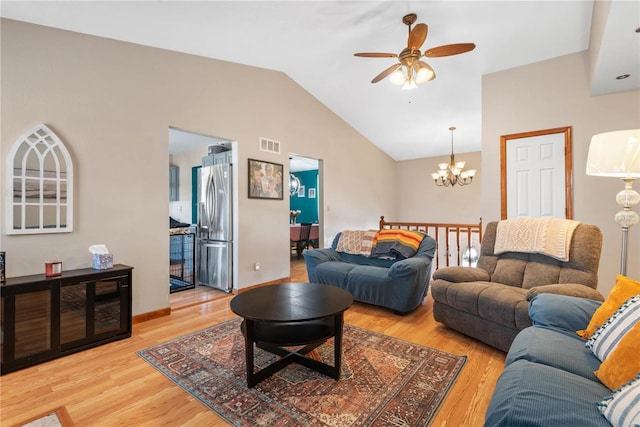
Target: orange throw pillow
(623, 363)
(624, 289)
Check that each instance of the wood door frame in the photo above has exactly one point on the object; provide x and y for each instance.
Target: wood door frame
(568, 173)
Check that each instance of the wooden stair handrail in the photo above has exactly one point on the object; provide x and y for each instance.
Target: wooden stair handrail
(449, 228)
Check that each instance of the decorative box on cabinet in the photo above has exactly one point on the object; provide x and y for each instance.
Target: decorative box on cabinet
(46, 318)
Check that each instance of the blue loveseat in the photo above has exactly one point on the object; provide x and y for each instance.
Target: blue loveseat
(399, 285)
(548, 379)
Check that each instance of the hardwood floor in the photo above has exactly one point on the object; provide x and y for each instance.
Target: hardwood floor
(111, 386)
(195, 296)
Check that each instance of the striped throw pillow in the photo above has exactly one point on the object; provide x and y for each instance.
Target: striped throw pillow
(622, 408)
(607, 337)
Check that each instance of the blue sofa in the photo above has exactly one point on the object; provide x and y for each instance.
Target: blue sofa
(399, 285)
(548, 379)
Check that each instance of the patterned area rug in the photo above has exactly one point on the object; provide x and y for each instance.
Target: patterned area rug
(385, 381)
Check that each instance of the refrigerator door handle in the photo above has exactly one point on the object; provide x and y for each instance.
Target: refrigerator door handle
(201, 215)
(214, 201)
(210, 203)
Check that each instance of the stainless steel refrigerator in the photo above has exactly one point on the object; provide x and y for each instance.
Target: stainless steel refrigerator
(214, 238)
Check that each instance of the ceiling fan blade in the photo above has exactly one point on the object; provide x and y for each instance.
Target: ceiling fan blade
(417, 36)
(386, 72)
(376, 55)
(450, 49)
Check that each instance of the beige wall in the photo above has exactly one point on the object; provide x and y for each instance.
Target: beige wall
(551, 94)
(112, 104)
(185, 161)
(420, 200)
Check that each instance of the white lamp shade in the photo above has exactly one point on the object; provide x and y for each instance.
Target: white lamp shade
(615, 154)
(409, 84)
(424, 72)
(397, 77)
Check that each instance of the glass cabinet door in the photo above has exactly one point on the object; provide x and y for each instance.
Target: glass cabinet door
(32, 323)
(90, 310)
(73, 313)
(109, 300)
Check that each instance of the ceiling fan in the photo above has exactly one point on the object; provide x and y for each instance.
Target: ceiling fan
(411, 69)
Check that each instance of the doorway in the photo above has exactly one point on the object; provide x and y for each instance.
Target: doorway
(536, 174)
(305, 201)
(187, 151)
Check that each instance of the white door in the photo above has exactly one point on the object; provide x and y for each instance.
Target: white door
(536, 177)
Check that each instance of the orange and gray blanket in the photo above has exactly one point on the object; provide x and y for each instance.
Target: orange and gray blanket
(396, 243)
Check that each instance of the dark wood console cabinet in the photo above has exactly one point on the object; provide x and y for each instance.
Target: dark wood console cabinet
(44, 318)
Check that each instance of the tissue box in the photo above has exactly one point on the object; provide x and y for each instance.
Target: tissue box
(102, 261)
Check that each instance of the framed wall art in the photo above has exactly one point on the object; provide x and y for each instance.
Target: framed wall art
(265, 180)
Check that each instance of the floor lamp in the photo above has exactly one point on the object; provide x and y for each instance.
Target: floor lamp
(617, 154)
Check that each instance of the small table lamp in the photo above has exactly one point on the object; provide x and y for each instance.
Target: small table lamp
(617, 154)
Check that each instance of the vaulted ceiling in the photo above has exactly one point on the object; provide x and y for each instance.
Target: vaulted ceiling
(313, 42)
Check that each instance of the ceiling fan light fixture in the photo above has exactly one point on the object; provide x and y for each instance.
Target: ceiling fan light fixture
(409, 84)
(397, 77)
(410, 71)
(424, 73)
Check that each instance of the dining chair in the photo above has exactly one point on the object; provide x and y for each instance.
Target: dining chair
(303, 241)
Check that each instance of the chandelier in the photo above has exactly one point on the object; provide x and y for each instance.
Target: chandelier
(452, 173)
(294, 184)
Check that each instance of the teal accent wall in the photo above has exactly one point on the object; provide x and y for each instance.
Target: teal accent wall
(307, 206)
(195, 172)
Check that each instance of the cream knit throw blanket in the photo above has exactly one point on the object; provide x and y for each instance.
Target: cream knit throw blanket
(548, 236)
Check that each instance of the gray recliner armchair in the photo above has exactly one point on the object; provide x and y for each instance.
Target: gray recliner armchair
(490, 302)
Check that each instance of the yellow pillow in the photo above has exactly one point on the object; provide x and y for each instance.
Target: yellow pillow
(623, 363)
(624, 289)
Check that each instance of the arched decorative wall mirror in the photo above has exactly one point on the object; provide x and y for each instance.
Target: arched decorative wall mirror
(536, 175)
(39, 179)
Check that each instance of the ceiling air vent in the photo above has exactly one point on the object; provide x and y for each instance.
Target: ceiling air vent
(269, 145)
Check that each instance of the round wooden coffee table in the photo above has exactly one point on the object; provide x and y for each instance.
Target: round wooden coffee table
(291, 314)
